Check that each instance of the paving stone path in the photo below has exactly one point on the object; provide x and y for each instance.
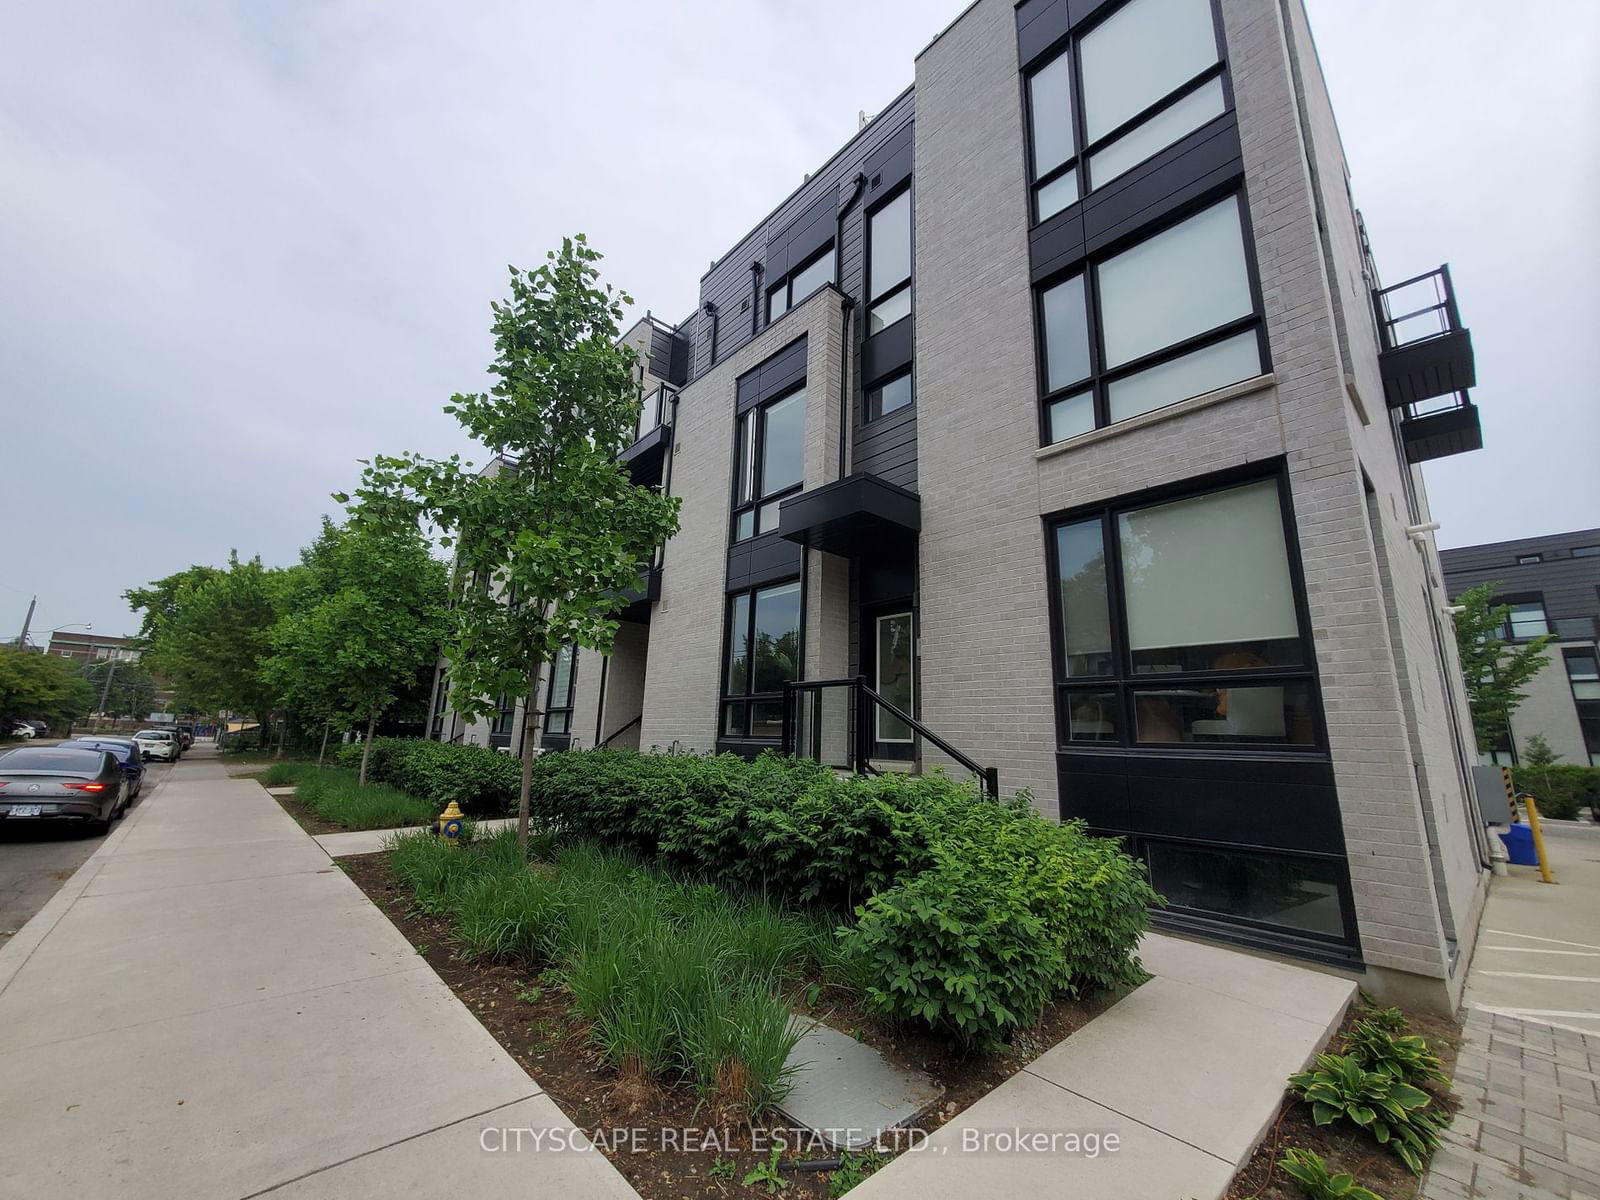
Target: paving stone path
(1529, 1125)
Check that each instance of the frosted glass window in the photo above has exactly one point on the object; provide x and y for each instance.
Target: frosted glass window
(783, 443)
(810, 277)
(1159, 132)
(1180, 283)
(777, 302)
(890, 243)
(1192, 374)
(1527, 620)
(886, 312)
(1085, 608)
(1142, 52)
(1057, 194)
(1050, 105)
(1206, 583)
(1071, 416)
(1066, 334)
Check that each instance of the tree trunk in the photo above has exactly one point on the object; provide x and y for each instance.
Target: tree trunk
(283, 728)
(529, 711)
(321, 754)
(366, 748)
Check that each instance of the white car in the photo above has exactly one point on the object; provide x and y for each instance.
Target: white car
(158, 743)
(23, 730)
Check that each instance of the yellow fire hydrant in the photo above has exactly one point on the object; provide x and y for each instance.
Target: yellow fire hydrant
(449, 825)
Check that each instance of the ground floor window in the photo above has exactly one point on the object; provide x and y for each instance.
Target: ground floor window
(558, 698)
(762, 654)
(1299, 894)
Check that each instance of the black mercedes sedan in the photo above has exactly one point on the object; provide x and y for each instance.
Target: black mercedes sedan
(61, 783)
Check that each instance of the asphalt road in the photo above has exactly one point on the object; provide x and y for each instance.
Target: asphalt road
(35, 860)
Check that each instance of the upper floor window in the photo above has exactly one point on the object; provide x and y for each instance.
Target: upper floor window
(558, 698)
(505, 711)
(1583, 672)
(1178, 622)
(1526, 620)
(1586, 552)
(1173, 316)
(1527, 560)
(763, 652)
(1147, 75)
(891, 395)
(653, 410)
(800, 283)
(889, 263)
(771, 464)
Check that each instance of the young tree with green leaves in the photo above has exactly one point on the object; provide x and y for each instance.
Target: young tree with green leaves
(367, 616)
(1495, 670)
(41, 687)
(128, 689)
(548, 539)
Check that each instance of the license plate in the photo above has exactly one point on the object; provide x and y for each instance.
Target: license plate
(26, 810)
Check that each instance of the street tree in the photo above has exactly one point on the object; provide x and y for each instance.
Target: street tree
(43, 687)
(547, 538)
(367, 615)
(121, 689)
(1496, 671)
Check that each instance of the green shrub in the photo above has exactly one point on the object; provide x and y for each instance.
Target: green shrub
(1404, 1056)
(1560, 789)
(483, 782)
(287, 774)
(1397, 1115)
(1308, 1169)
(334, 795)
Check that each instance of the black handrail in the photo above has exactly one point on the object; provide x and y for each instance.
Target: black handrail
(617, 732)
(861, 756)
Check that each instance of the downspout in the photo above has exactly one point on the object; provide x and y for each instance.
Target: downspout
(600, 708)
(711, 311)
(847, 329)
(755, 296)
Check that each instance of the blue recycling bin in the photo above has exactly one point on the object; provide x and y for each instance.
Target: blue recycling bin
(1519, 846)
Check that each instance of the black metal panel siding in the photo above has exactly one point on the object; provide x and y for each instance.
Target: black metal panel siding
(774, 375)
(1570, 586)
(1043, 23)
(801, 238)
(728, 284)
(765, 559)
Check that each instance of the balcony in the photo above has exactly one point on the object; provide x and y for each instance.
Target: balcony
(640, 597)
(646, 458)
(1430, 431)
(1424, 351)
(852, 517)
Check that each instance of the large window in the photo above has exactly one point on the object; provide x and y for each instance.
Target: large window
(800, 283)
(1526, 620)
(1138, 81)
(505, 712)
(772, 459)
(1583, 672)
(889, 263)
(558, 698)
(1299, 894)
(1175, 316)
(1178, 625)
(763, 653)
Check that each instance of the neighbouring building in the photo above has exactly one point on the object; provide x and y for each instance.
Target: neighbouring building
(93, 647)
(1552, 586)
(1058, 426)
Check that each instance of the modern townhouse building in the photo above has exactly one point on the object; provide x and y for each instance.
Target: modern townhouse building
(1059, 427)
(1552, 585)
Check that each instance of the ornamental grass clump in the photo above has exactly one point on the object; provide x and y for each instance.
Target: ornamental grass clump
(333, 795)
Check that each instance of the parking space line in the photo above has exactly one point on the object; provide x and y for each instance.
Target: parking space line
(1530, 937)
(1531, 975)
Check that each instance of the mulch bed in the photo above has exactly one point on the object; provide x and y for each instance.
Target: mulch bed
(538, 1026)
(1343, 1146)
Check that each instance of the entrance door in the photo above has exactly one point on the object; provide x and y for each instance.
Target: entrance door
(894, 678)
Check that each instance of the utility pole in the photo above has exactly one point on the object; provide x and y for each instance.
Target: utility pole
(111, 671)
(22, 641)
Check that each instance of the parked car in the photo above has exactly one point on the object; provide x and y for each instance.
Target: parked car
(40, 729)
(159, 743)
(58, 783)
(127, 752)
(21, 730)
(185, 735)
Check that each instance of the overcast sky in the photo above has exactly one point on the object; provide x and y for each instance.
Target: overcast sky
(244, 244)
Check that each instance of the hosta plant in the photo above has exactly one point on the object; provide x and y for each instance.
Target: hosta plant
(1395, 1113)
(1310, 1171)
(1406, 1057)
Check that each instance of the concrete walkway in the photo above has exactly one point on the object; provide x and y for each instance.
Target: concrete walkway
(210, 1008)
(370, 841)
(1187, 1072)
(1529, 1125)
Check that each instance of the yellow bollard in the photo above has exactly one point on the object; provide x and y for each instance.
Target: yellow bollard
(449, 825)
(1538, 839)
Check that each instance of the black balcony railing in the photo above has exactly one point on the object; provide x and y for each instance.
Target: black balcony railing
(831, 721)
(1424, 350)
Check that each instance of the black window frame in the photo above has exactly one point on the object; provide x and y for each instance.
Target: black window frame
(1508, 631)
(505, 712)
(1100, 378)
(1529, 560)
(872, 299)
(1570, 654)
(550, 705)
(868, 415)
(756, 414)
(1078, 164)
(1586, 551)
(748, 698)
(786, 284)
(1125, 682)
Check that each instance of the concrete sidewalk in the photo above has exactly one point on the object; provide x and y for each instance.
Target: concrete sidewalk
(1188, 1072)
(210, 1008)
